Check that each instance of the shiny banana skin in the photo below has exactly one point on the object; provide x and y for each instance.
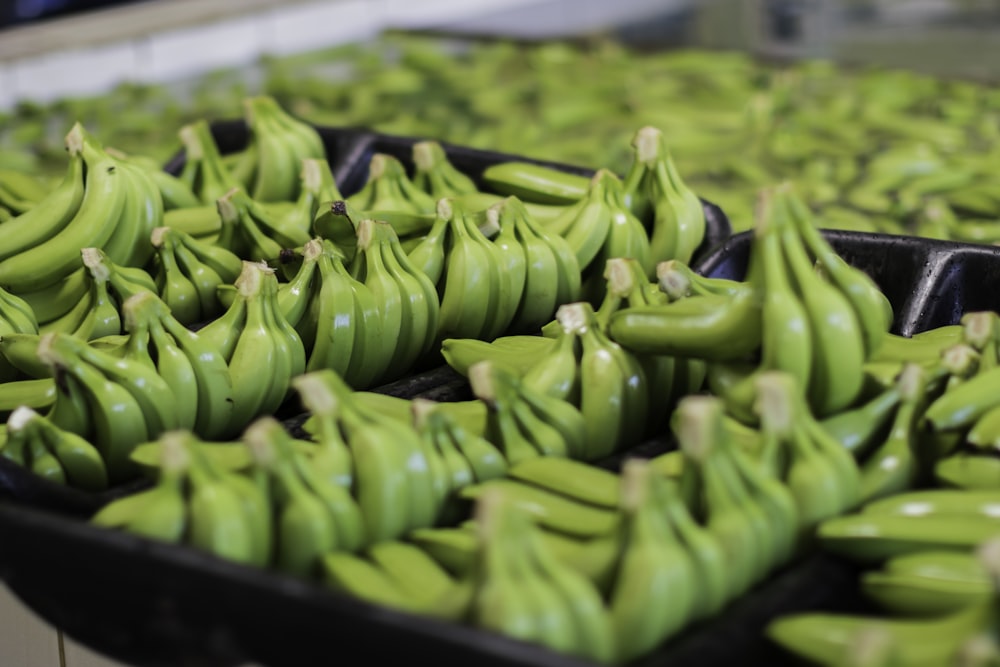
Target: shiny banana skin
(76, 461)
(555, 374)
(103, 318)
(142, 212)
(174, 193)
(428, 256)
(468, 296)
(171, 365)
(826, 639)
(711, 328)
(838, 343)
(512, 263)
(218, 523)
(94, 223)
(938, 502)
(872, 309)
(968, 472)
(369, 269)
(174, 287)
(564, 417)
(366, 361)
(48, 217)
(573, 479)
(52, 302)
(224, 263)
(872, 538)
(484, 459)
(73, 319)
(118, 420)
(36, 394)
(204, 171)
(276, 177)
(413, 571)
(893, 467)
(337, 327)
(462, 353)
(421, 310)
(535, 183)
(929, 584)
(653, 594)
(389, 189)
(501, 427)
(363, 579)
(435, 175)
(787, 337)
(150, 390)
(204, 278)
(965, 404)
(775, 500)
(857, 429)
(551, 511)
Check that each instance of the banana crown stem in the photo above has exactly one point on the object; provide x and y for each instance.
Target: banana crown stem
(175, 455)
(776, 402)
(20, 418)
(74, 139)
(93, 259)
(647, 144)
(635, 488)
(960, 359)
(699, 426)
(621, 280)
(481, 379)
(978, 328)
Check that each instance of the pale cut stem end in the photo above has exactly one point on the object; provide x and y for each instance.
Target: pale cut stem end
(74, 139)
(133, 305)
(316, 396)
(258, 438)
(491, 227)
(481, 380)
(635, 484)
(251, 278)
(445, 211)
(873, 646)
(911, 381)
(488, 514)
(20, 418)
(174, 454)
(312, 175)
(674, 283)
(775, 402)
(93, 260)
(312, 250)
(961, 360)
(192, 145)
(422, 409)
(45, 351)
(980, 650)
(573, 317)
(618, 273)
(226, 208)
(647, 144)
(366, 233)
(158, 236)
(698, 425)
(977, 328)
(424, 155)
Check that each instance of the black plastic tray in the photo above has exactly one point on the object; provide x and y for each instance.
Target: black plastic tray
(156, 604)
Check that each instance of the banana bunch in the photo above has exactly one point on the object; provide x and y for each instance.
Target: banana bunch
(656, 582)
(820, 474)
(35, 393)
(189, 363)
(114, 207)
(114, 402)
(262, 350)
(677, 281)
(928, 584)
(204, 172)
(174, 192)
(653, 185)
(913, 522)
(316, 189)
(399, 575)
(188, 273)
(33, 441)
(517, 353)
(19, 192)
(457, 457)
(405, 299)
(524, 423)
(249, 230)
(313, 515)
(269, 166)
(599, 227)
(16, 317)
(606, 382)
(338, 223)
(521, 590)
(195, 502)
(962, 636)
(391, 478)
(480, 282)
(435, 175)
(752, 514)
(668, 379)
(96, 314)
(388, 188)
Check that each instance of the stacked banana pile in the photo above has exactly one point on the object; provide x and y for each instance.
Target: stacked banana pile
(154, 325)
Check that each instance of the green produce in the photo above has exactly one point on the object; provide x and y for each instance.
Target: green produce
(59, 456)
(277, 148)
